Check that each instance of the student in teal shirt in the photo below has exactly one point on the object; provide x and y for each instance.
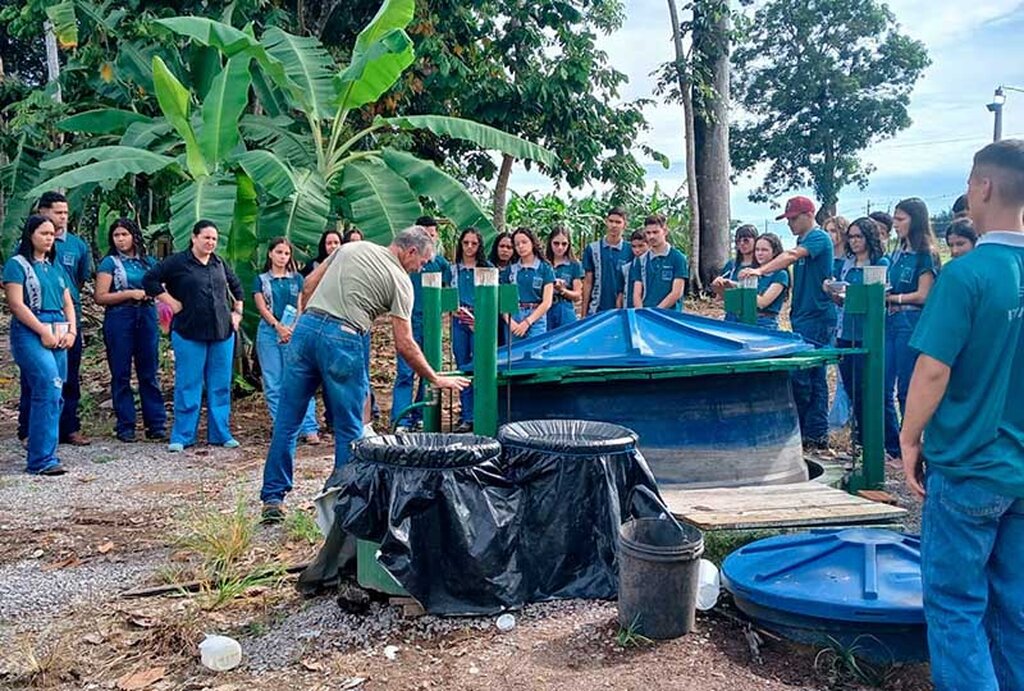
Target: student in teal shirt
(43, 328)
(568, 278)
(602, 265)
(402, 395)
(130, 332)
(659, 276)
(913, 267)
(275, 290)
(469, 256)
(812, 313)
(773, 288)
(536, 283)
(863, 248)
(965, 403)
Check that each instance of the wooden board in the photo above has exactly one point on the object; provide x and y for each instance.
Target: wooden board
(775, 506)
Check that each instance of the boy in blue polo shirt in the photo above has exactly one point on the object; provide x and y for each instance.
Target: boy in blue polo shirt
(658, 278)
(965, 401)
(812, 313)
(602, 262)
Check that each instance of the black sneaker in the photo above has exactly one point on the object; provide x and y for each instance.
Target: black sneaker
(271, 514)
(156, 436)
(463, 428)
(54, 470)
(127, 438)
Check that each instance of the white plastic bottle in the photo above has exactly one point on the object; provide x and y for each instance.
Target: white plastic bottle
(220, 653)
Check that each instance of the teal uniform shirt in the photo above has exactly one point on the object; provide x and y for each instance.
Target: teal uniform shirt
(568, 272)
(134, 270)
(74, 255)
(436, 265)
(764, 282)
(972, 322)
(530, 280)
(465, 281)
(607, 270)
(52, 283)
(657, 273)
(810, 303)
(284, 290)
(851, 326)
(731, 270)
(906, 269)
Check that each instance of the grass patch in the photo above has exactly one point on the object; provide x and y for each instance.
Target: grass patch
(718, 544)
(630, 636)
(300, 526)
(46, 662)
(842, 667)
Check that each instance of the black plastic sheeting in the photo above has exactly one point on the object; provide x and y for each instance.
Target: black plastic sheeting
(467, 527)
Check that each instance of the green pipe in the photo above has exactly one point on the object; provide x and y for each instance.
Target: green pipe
(485, 352)
(432, 325)
(869, 299)
(742, 301)
(426, 404)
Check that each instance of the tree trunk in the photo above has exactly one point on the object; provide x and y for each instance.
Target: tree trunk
(501, 191)
(711, 134)
(52, 60)
(692, 193)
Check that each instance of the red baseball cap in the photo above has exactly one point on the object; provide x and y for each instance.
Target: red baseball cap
(796, 206)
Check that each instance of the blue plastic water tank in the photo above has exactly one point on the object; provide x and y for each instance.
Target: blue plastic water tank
(858, 586)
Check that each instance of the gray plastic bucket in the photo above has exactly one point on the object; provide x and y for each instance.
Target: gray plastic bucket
(659, 560)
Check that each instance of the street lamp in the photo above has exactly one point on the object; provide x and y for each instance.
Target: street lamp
(996, 108)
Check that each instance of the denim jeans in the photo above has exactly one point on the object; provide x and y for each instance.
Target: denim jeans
(971, 545)
(200, 365)
(322, 351)
(402, 396)
(766, 322)
(810, 386)
(851, 370)
(72, 393)
(462, 349)
(43, 371)
(562, 312)
(130, 333)
(900, 359)
(271, 354)
(539, 327)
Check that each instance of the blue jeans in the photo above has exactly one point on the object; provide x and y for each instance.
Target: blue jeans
(72, 393)
(462, 349)
(851, 370)
(323, 352)
(561, 312)
(539, 327)
(43, 371)
(810, 386)
(271, 353)
(767, 322)
(971, 543)
(402, 396)
(130, 333)
(900, 359)
(199, 365)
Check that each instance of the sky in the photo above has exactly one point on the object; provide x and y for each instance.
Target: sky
(974, 47)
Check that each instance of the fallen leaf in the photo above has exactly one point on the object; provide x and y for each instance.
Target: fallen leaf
(140, 680)
(312, 665)
(143, 622)
(105, 547)
(62, 564)
(94, 638)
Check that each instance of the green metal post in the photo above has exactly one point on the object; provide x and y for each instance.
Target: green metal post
(485, 352)
(432, 325)
(742, 301)
(869, 300)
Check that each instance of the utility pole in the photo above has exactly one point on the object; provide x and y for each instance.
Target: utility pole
(996, 108)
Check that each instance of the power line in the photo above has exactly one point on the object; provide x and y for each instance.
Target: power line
(930, 142)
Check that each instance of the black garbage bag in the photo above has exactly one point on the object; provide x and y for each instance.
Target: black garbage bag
(579, 481)
(445, 516)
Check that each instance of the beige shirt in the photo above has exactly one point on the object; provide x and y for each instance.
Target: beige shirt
(363, 281)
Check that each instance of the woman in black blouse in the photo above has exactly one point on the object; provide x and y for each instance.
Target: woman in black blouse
(206, 298)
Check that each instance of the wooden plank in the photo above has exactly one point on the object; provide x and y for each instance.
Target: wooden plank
(775, 506)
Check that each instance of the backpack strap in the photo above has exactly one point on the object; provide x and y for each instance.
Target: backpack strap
(32, 289)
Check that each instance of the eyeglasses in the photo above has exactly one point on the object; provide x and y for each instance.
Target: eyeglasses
(739, 240)
(558, 243)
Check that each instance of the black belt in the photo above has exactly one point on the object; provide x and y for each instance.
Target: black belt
(345, 324)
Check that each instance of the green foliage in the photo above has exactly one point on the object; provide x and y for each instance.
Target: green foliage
(821, 80)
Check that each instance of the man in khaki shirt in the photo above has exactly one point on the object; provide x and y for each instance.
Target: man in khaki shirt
(330, 346)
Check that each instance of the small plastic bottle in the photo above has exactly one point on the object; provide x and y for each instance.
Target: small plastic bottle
(289, 315)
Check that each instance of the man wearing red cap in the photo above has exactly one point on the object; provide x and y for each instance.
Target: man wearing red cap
(811, 312)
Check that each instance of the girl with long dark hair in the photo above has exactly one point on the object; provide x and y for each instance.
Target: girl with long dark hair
(43, 327)
(330, 240)
(206, 298)
(277, 292)
(568, 278)
(503, 252)
(535, 281)
(744, 240)
(130, 331)
(913, 267)
(469, 256)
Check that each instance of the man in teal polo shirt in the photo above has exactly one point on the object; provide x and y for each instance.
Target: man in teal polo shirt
(965, 401)
(658, 277)
(602, 265)
(812, 312)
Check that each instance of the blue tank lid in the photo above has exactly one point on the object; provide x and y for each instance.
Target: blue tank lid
(649, 337)
(865, 575)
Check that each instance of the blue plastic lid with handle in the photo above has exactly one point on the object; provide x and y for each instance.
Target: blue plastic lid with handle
(855, 574)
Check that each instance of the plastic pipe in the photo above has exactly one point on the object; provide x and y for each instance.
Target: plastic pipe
(485, 352)
(432, 325)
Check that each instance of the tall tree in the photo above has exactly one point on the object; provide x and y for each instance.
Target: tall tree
(821, 80)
